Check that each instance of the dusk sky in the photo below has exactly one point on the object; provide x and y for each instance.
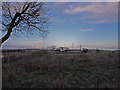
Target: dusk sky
(92, 25)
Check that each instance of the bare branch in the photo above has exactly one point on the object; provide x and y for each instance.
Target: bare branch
(24, 10)
(24, 5)
(10, 13)
(23, 16)
(4, 24)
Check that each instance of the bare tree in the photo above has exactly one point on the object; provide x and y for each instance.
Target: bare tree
(23, 17)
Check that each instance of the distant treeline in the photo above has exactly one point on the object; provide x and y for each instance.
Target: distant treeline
(13, 50)
(21, 50)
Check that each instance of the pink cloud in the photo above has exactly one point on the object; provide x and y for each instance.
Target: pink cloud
(102, 46)
(102, 21)
(56, 4)
(97, 10)
(26, 44)
(37, 47)
(35, 42)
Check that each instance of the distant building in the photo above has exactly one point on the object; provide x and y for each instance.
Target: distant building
(62, 49)
(52, 47)
(85, 50)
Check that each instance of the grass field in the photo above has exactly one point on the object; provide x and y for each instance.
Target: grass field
(49, 69)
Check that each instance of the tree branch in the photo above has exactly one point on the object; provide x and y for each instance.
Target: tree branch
(25, 9)
(27, 16)
(9, 13)
(10, 28)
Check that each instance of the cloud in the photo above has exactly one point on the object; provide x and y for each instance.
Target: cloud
(97, 10)
(103, 21)
(58, 20)
(107, 20)
(55, 5)
(86, 30)
(102, 46)
(25, 44)
(35, 42)
(16, 46)
(59, 4)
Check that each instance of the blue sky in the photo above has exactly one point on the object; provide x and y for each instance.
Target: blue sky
(92, 25)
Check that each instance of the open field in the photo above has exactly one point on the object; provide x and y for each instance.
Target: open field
(50, 69)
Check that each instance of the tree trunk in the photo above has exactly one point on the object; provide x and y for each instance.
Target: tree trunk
(4, 38)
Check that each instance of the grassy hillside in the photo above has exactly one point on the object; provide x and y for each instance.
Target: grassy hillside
(47, 69)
